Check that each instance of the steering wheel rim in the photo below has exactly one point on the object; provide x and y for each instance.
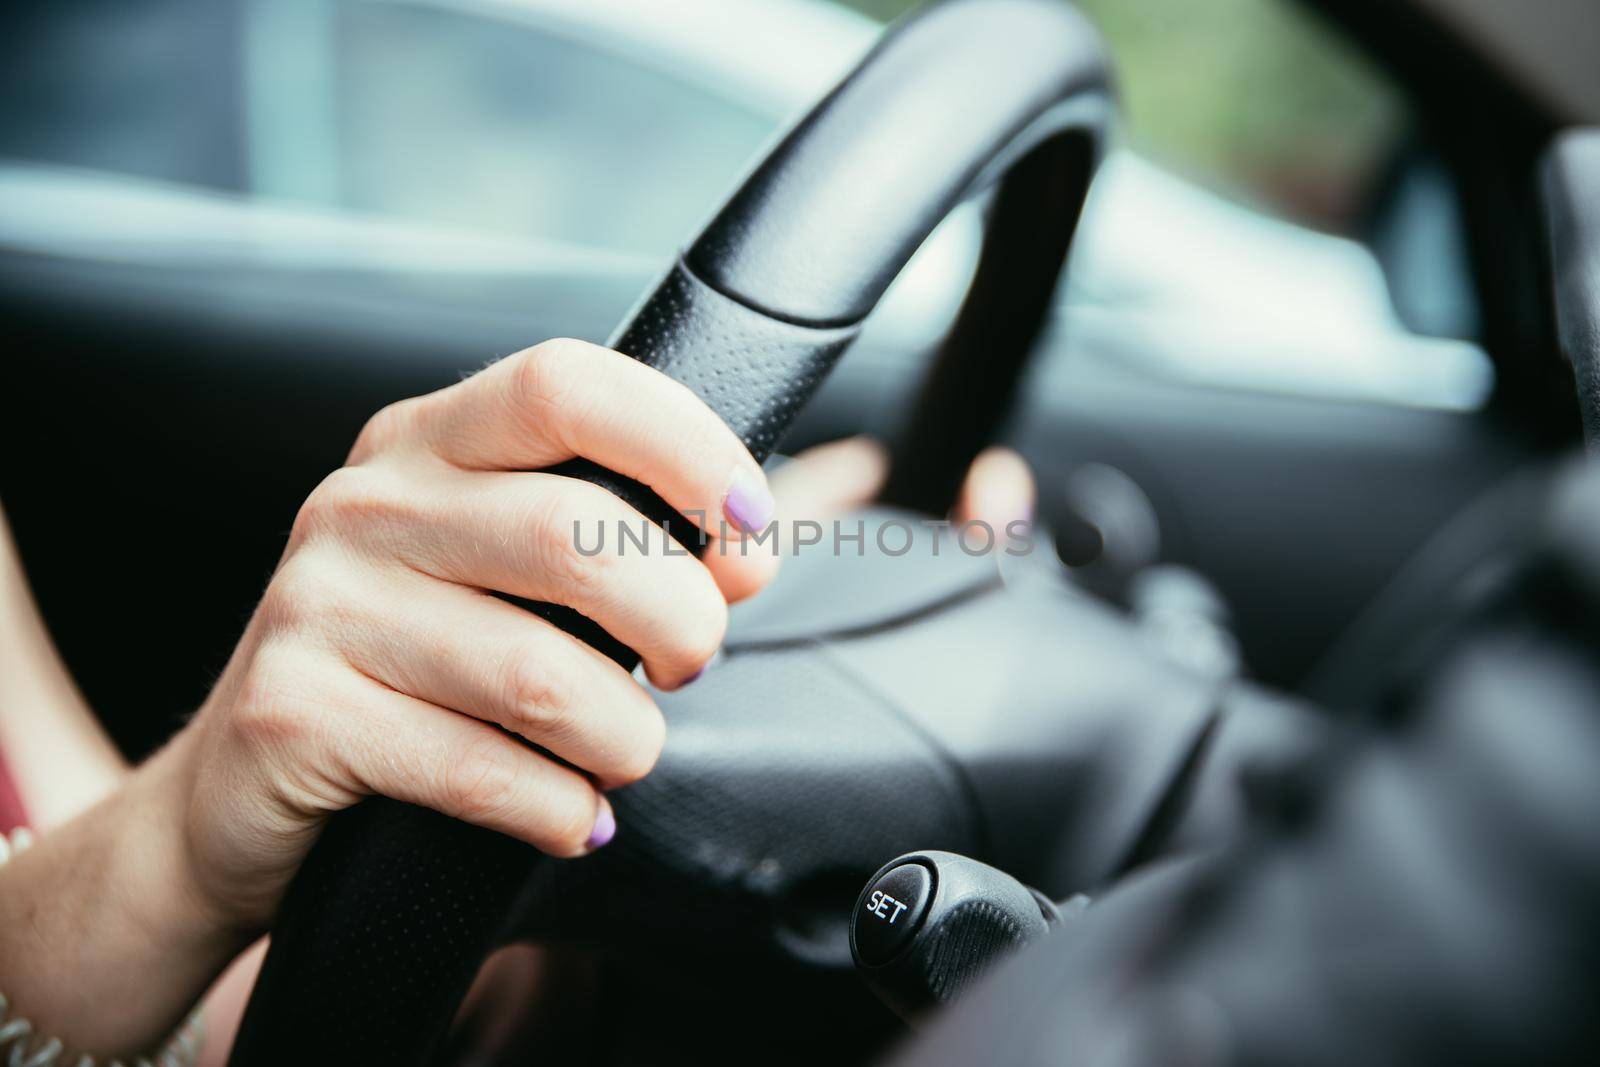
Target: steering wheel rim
(396, 907)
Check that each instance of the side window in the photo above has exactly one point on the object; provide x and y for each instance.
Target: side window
(1257, 98)
(446, 115)
(1272, 219)
(499, 118)
(147, 89)
(519, 119)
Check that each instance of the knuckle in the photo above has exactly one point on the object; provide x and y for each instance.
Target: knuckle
(287, 603)
(583, 573)
(541, 702)
(543, 375)
(478, 782)
(303, 593)
(389, 425)
(265, 716)
(269, 726)
(356, 493)
(347, 499)
(705, 435)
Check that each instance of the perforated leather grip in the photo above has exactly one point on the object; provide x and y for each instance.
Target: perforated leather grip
(396, 907)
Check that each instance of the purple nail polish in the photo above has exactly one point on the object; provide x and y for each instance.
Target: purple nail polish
(605, 828)
(695, 677)
(748, 504)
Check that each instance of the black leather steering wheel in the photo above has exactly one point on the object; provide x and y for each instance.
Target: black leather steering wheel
(396, 907)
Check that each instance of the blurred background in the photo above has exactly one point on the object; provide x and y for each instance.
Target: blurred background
(231, 229)
(1258, 98)
(613, 127)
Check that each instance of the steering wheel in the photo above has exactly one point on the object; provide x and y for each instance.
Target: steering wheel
(397, 907)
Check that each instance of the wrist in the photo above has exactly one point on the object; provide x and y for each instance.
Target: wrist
(105, 940)
(188, 901)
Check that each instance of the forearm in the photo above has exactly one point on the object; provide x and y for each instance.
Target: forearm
(59, 756)
(104, 941)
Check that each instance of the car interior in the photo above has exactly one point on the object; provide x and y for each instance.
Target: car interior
(1282, 410)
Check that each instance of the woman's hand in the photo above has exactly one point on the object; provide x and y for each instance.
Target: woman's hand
(381, 662)
(840, 475)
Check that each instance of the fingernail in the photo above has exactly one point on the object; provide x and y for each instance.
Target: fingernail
(748, 503)
(605, 827)
(706, 666)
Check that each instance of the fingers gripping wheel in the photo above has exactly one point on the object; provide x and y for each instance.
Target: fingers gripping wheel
(929, 923)
(396, 907)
